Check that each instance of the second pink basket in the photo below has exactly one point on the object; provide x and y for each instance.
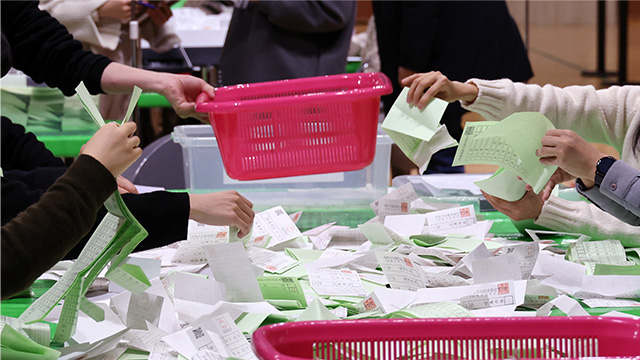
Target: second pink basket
(297, 127)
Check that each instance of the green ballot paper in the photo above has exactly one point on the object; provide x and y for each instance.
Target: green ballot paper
(418, 132)
(284, 292)
(510, 144)
(113, 240)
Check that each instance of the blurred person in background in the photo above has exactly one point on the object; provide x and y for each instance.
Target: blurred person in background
(277, 40)
(462, 39)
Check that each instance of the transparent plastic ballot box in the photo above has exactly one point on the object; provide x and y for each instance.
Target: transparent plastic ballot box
(204, 172)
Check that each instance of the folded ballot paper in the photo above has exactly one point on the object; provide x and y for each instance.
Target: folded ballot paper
(115, 238)
(510, 144)
(418, 133)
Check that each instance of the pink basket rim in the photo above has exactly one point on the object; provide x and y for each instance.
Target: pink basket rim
(383, 87)
(266, 350)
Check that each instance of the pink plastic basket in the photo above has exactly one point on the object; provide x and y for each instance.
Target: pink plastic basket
(453, 338)
(297, 127)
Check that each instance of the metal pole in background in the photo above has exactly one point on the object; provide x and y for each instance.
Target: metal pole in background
(134, 37)
(623, 12)
(601, 69)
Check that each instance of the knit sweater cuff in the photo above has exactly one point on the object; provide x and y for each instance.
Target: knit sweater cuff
(491, 99)
(559, 214)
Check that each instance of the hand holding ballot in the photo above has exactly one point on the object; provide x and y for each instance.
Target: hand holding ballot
(114, 146)
(546, 141)
(566, 149)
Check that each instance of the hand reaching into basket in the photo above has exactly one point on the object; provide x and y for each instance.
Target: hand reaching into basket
(180, 90)
(222, 208)
(425, 86)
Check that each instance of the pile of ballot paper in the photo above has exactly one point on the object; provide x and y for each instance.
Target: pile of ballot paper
(203, 297)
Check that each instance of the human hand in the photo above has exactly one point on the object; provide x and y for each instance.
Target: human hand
(529, 207)
(559, 176)
(114, 146)
(117, 9)
(223, 208)
(125, 186)
(182, 91)
(437, 85)
(160, 14)
(567, 150)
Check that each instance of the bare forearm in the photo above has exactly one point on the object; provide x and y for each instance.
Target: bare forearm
(118, 78)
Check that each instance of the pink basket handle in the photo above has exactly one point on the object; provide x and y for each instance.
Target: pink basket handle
(203, 97)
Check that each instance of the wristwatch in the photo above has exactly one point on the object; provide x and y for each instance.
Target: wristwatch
(602, 166)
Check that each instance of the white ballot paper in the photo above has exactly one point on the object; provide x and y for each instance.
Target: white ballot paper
(447, 221)
(418, 132)
(343, 282)
(276, 223)
(230, 265)
(401, 272)
(275, 262)
(403, 194)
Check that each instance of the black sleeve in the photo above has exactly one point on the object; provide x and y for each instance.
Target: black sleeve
(165, 216)
(29, 169)
(21, 150)
(43, 49)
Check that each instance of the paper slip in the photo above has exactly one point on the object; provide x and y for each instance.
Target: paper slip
(230, 265)
(143, 308)
(282, 288)
(197, 289)
(510, 143)
(496, 268)
(614, 303)
(318, 230)
(491, 295)
(401, 272)
(503, 184)
(296, 216)
(446, 221)
(188, 341)
(387, 300)
(406, 225)
(600, 252)
(418, 132)
(276, 223)
(563, 275)
(619, 286)
(114, 239)
(540, 235)
(446, 255)
(566, 304)
(336, 282)
(236, 344)
(38, 332)
(404, 193)
(375, 232)
(145, 340)
(527, 254)
(537, 294)
(433, 279)
(435, 310)
(275, 262)
(501, 293)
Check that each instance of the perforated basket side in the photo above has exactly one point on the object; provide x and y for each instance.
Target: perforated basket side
(298, 139)
(468, 338)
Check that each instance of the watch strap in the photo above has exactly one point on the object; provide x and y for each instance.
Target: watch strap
(602, 166)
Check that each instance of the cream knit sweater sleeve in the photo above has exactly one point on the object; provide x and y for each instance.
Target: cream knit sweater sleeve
(608, 116)
(585, 218)
(603, 116)
(76, 16)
